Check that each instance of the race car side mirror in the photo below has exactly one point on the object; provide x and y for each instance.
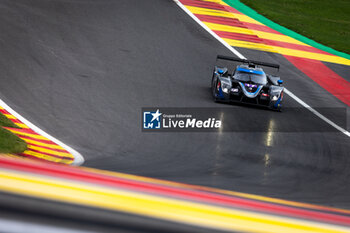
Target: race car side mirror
(280, 81)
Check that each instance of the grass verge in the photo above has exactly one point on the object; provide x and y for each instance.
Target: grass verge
(9, 142)
(324, 21)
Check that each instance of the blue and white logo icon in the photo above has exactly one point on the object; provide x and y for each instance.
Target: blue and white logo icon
(152, 120)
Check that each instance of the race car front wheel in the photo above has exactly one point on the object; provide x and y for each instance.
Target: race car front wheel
(214, 90)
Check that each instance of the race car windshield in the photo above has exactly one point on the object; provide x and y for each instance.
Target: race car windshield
(255, 78)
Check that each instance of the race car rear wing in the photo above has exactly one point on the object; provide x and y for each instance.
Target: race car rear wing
(222, 57)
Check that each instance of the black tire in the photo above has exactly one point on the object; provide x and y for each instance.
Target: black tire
(278, 109)
(214, 92)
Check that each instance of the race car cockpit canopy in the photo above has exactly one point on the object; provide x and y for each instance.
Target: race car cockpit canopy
(246, 74)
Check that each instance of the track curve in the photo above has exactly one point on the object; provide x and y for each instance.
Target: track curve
(82, 70)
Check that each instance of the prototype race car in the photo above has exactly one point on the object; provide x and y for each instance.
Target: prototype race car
(248, 83)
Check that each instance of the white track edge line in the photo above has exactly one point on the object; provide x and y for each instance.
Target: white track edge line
(78, 158)
(238, 54)
(344, 131)
(209, 30)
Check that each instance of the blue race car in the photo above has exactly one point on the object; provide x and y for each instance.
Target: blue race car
(248, 83)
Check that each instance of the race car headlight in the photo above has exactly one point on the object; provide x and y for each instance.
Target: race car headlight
(275, 98)
(225, 86)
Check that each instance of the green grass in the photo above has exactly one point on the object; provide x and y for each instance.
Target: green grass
(9, 142)
(324, 21)
(4, 121)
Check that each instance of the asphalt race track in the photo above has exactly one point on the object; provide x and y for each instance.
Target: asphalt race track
(83, 69)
